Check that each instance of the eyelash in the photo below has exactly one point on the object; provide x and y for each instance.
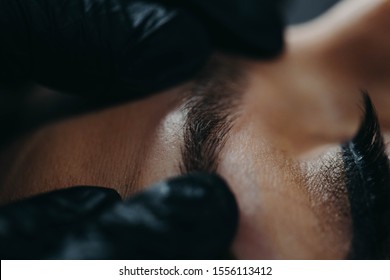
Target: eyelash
(367, 166)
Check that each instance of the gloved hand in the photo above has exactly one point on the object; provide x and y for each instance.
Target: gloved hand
(190, 217)
(126, 49)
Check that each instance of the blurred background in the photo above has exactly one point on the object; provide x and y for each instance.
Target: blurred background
(298, 11)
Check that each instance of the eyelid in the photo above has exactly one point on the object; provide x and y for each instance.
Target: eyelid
(324, 179)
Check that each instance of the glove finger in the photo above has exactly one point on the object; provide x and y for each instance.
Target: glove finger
(251, 27)
(25, 225)
(190, 217)
(110, 49)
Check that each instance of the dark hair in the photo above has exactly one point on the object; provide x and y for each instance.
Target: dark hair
(212, 106)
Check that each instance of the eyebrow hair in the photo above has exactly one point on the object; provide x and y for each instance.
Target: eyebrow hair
(212, 107)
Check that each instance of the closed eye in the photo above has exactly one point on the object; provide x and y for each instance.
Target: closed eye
(368, 183)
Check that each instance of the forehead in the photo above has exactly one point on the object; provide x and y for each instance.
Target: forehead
(291, 207)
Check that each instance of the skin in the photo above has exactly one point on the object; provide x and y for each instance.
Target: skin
(295, 111)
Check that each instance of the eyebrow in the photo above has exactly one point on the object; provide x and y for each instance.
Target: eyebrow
(211, 108)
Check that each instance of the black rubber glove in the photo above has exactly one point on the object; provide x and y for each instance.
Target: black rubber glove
(115, 49)
(249, 27)
(191, 217)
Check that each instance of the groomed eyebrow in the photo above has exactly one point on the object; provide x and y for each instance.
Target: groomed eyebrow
(211, 108)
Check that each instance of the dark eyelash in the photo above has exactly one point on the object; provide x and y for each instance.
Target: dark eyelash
(368, 184)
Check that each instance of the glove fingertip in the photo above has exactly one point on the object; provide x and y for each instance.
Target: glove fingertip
(204, 214)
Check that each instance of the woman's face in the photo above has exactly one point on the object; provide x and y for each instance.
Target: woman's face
(281, 152)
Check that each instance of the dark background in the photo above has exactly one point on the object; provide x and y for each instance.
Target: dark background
(298, 11)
